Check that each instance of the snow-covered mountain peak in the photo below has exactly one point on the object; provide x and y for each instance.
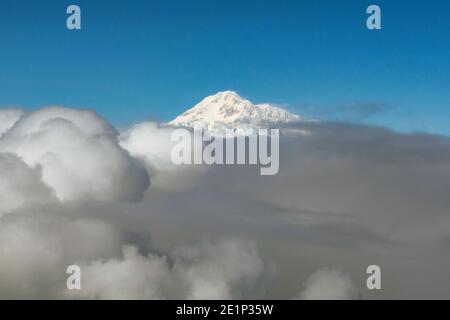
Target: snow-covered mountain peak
(224, 97)
(227, 110)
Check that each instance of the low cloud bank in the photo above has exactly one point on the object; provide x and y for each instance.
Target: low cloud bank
(76, 191)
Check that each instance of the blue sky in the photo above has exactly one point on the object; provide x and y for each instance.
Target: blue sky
(136, 60)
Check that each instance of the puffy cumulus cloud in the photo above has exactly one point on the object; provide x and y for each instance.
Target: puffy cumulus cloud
(78, 154)
(226, 270)
(132, 277)
(151, 143)
(8, 117)
(223, 270)
(328, 284)
(21, 185)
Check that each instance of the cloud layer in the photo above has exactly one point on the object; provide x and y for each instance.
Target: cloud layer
(73, 190)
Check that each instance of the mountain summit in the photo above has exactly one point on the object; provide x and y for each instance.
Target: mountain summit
(228, 110)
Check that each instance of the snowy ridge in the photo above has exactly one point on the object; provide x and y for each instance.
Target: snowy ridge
(227, 110)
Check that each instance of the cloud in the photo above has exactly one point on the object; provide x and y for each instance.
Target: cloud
(356, 111)
(360, 110)
(21, 185)
(151, 143)
(8, 117)
(37, 245)
(223, 270)
(326, 284)
(226, 270)
(78, 154)
(346, 196)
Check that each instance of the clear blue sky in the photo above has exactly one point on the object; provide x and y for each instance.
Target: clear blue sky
(134, 60)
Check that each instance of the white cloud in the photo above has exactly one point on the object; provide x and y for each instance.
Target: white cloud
(78, 154)
(8, 117)
(151, 143)
(224, 270)
(327, 284)
(131, 277)
(21, 185)
(230, 269)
